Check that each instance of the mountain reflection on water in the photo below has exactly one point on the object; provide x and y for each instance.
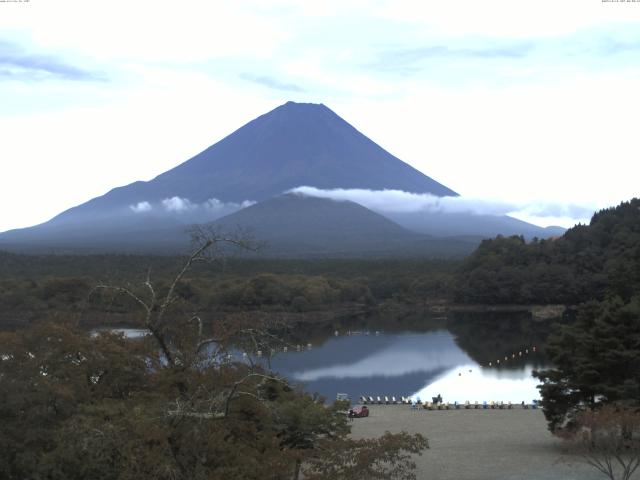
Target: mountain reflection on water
(414, 364)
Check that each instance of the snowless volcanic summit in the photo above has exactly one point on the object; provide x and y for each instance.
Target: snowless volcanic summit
(296, 144)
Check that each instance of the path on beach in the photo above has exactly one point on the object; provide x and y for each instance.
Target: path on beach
(480, 444)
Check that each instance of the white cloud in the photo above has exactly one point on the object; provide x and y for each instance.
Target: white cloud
(557, 124)
(399, 201)
(215, 205)
(141, 207)
(154, 31)
(506, 17)
(177, 204)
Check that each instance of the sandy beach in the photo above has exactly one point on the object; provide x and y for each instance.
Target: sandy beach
(480, 444)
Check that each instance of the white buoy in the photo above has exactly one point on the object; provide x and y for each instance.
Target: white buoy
(336, 333)
(308, 346)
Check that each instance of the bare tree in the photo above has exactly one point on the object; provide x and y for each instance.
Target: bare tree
(182, 349)
(609, 440)
(209, 245)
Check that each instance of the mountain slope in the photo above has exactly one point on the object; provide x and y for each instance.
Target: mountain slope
(295, 225)
(291, 146)
(589, 262)
(295, 144)
(464, 223)
(288, 225)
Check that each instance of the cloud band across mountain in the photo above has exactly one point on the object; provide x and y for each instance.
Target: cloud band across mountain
(398, 201)
(182, 205)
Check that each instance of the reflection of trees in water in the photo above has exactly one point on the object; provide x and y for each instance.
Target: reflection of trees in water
(484, 336)
(488, 336)
(317, 333)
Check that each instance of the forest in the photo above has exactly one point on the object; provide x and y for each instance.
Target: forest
(80, 404)
(133, 408)
(35, 288)
(588, 262)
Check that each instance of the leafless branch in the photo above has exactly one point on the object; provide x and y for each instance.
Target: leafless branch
(237, 385)
(205, 342)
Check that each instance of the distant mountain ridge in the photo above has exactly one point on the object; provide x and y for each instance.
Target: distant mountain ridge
(296, 225)
(293, 145)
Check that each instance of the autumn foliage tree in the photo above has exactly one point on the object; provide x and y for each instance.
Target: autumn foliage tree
(171, 405)
(609, 440)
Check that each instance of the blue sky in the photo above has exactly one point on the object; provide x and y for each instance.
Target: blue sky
(530, 104)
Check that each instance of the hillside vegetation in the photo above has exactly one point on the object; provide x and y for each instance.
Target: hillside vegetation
(596, 267)
(36, 288)
(588, 262)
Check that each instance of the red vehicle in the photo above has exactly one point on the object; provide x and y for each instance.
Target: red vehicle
(359, 412)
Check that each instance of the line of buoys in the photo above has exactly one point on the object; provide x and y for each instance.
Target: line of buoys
(272, 351)
(467, 405)
(513, 356)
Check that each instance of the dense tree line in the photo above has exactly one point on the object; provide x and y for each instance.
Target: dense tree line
(596, 268)
(172, 405)
(596, 361)
(31, 288)
(588, 262)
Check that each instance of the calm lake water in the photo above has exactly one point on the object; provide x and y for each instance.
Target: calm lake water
(414, 364)
(411, 364)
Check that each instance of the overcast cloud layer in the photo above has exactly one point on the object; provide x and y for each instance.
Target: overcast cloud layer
(493, 98)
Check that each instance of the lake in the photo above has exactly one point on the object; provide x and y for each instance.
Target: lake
(411, 364)
(416, 364)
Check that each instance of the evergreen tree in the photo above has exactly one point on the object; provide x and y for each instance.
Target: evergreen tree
(596, 361)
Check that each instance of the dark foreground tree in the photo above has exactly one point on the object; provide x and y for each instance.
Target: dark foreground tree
(172, 405)
(389, 456)
(596, 362)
